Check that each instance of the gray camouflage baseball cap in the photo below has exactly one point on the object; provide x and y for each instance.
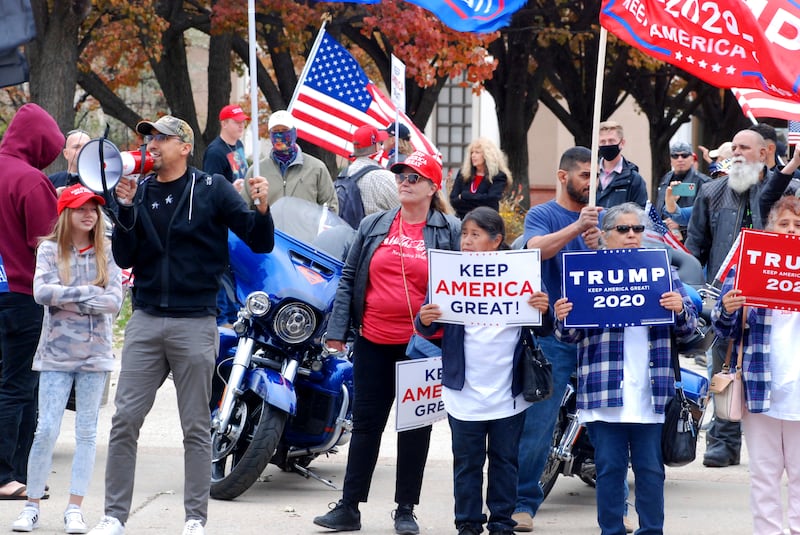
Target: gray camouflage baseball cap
(168, 125)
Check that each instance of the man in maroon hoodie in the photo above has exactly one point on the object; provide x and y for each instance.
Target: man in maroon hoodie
(27, 212)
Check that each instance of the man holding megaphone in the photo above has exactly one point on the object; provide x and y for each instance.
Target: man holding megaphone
(173, 230)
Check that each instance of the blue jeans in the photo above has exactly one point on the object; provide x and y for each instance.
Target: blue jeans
(540, 419)
(20, 326)
(54, 389)
(469, 453)
(612, 442)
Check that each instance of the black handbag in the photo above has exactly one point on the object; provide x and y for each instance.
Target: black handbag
(537, 372)
(681, 424)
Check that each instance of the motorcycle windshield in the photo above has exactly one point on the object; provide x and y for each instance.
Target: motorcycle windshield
(294, 268)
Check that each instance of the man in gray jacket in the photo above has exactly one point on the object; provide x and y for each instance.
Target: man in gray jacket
(723, 207)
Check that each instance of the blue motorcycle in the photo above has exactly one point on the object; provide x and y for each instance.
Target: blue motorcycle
(279, 395)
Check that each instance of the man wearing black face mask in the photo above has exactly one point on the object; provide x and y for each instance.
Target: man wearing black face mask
(620, 180)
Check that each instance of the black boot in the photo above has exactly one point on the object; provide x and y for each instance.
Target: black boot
(405, 522)
(342, 517)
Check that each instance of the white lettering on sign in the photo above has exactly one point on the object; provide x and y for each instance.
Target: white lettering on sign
(774, 260)
(617, 276)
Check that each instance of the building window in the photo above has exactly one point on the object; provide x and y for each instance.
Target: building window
(453, 122)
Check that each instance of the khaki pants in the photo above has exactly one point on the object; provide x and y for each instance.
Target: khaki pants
(154, 346)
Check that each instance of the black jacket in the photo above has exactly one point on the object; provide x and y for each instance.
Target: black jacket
(627, 186)
(488, 194)
(180, 272)
(441, 231)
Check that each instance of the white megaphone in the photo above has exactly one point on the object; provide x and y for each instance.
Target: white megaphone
(115, 164)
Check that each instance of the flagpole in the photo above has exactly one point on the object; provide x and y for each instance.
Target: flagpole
(598, 102)
(307, 66)
(251, 35)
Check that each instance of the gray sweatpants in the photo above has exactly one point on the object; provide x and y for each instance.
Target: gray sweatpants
(154, 346)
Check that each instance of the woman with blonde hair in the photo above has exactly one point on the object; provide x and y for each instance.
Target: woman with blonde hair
(482, 179)
(80, 287)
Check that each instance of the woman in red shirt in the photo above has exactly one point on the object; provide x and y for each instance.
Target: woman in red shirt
(383, 285)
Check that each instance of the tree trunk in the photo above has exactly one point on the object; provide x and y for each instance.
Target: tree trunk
(219, 82)
(53, 59)
(515, 87)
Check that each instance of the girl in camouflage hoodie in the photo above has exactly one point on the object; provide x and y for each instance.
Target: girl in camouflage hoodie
(79, 284)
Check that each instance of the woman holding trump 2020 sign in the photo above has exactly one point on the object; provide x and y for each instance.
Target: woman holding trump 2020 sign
(383, 284)
(771, 375)
(625, 378)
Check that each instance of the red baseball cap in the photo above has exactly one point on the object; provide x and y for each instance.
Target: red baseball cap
(368, 135)
(424, 164)
(76, 196)
(233, 111)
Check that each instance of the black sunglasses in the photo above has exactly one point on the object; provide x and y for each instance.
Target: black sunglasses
(624, 229)
(412, 178)
(680, 155)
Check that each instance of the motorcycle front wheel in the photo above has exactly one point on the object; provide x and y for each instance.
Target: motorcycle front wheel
(239, 456)
(553, 465)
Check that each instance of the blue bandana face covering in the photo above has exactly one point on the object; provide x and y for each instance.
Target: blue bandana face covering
(284, 149)
(283, 141)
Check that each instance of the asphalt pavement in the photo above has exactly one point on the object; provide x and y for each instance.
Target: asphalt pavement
(699, 500)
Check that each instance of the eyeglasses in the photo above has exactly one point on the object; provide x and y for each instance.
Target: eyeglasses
(159, 137)
(680, 155)
(624, 229)
(412, 178)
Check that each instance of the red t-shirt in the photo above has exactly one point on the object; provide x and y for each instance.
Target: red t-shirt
(476, 182)
(387, 319)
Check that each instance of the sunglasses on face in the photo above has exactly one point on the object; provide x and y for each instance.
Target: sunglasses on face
(680, 155)
(159, 137)
(412, 178)
(624, 229)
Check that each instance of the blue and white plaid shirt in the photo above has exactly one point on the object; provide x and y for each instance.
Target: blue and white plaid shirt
(601, 358)
(756, 372)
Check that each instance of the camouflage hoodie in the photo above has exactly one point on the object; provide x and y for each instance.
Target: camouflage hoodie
(78, 320)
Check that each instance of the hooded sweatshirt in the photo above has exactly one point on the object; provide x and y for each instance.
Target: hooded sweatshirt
(27, 198)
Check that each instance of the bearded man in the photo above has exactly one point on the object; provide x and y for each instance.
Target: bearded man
(722, 208)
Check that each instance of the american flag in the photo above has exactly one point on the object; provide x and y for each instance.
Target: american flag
(660, 232)
(756, 103)
(731, 259)
(334, 97)
(793, 136)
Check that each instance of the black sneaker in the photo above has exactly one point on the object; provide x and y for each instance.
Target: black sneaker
(405, 522)
(468, 529)
(341, 517)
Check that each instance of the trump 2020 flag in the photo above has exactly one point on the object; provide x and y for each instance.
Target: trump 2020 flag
(474, 16)
(334, 97)
(727, 44)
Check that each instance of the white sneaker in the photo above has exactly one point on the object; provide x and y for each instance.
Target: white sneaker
(108, 526)
(28, 519)
(73, 521)
(193, 527)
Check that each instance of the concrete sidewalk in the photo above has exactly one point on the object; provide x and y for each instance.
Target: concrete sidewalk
(699, 500)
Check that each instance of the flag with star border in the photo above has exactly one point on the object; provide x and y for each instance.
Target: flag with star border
(334, 97)
(727, 44)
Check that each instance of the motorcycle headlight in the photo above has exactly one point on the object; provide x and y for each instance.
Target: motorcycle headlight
(257, 304)
(294, 323)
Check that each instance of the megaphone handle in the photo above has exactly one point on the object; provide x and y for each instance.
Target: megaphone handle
(143, 159)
